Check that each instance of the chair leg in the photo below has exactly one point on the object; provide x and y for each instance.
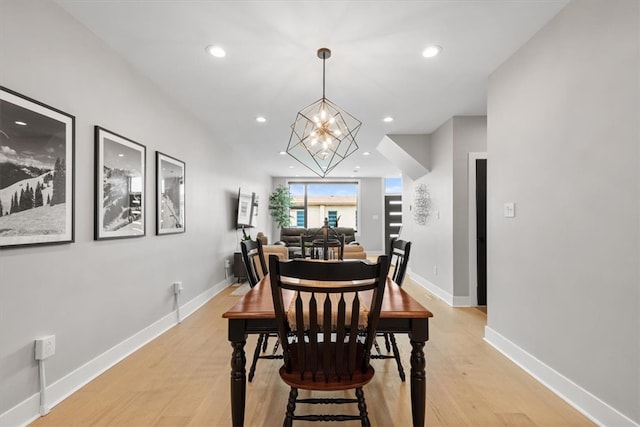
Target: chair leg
(362, 406)
(256, 355)
(396, 355)
(265, 343)
(377, 347)
(291, 407)
(386, 342)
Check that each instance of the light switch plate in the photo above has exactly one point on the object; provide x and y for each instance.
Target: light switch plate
(509, 210)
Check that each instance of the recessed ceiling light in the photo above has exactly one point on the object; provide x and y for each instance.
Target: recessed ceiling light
(120, 155)
(261, 119)
(431, 51)
(18, 122)
(216, 51)
(387, 119)
(290, 167)
(357, 167)
(283, 153)
(366, 153)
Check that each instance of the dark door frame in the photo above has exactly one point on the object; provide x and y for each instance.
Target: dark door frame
(473, 254)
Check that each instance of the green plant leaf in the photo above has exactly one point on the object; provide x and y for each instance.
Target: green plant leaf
(279, 204)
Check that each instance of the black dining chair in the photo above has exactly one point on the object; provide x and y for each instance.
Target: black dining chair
(399, 251)
(254, 262)
(322, 247)
(325, 329)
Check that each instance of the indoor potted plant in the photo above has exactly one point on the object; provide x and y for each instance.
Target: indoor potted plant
(279, 204)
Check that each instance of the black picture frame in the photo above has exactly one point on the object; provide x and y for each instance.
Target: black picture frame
(170, 194)
(37, 172)
(120, 182)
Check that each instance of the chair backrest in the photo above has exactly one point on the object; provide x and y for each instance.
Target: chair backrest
(320, 247)
(399, 251)
(327, 322)
(253, 258)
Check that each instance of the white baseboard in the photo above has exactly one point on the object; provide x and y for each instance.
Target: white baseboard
(592, 407)
(463, 302)
(27, 411)
(435, 290)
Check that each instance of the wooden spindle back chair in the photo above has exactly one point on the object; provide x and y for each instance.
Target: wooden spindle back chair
(327, 314)
(256, 266)
(254, 262)
(399, 251)
(315, 247)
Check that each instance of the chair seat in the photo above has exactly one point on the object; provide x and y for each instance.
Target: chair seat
(330, 382)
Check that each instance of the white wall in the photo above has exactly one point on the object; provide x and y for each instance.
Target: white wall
(444, 241)
(94, 295)
(432, 244)
(563, 145)
(469, 135)
(371, 226)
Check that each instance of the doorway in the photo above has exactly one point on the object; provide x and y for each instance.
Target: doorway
(477, 199)
(392, 218)
(481, 229)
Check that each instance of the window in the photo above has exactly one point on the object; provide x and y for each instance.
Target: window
(315, 201)
(333, 218)
(393, 185)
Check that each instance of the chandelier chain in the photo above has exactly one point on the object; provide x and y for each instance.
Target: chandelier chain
(324, 59)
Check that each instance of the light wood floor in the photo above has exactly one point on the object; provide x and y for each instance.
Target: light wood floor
(182, 379)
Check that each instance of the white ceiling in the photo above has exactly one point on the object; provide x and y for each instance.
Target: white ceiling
(271, 68)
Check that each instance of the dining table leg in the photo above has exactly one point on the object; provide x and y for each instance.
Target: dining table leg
(418, 338)
(238, 372)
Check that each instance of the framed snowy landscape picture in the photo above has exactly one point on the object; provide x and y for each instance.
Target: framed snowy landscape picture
(36, 172)
(170, 189)
(120, 184)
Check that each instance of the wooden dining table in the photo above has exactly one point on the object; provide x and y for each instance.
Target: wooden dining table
(254, 314)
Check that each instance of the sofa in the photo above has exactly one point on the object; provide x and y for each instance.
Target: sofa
(290, 237)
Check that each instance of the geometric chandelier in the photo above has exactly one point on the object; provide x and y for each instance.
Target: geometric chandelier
(323, 134)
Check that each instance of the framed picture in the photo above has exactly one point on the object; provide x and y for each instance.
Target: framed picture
(170, 189)
(36, 172)
(245, 212)
(120, 184)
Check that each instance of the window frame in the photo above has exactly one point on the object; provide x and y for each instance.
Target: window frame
(306, 182)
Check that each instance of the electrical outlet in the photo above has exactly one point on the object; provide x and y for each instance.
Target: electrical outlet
(177, 287)
(45, 347)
